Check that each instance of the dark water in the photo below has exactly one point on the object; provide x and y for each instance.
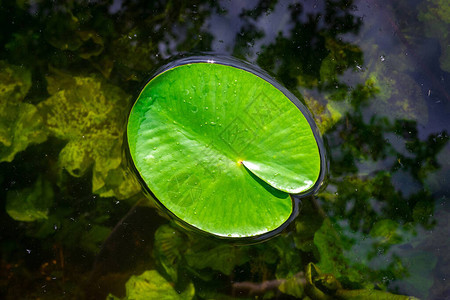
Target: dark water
(374, 74)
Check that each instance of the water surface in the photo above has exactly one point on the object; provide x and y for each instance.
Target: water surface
(373, 73)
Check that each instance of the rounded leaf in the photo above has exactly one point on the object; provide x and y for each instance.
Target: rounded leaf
(222, 148)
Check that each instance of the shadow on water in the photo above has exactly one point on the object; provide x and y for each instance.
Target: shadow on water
(378, 95)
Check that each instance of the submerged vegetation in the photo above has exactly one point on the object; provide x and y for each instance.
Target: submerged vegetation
(75, 224)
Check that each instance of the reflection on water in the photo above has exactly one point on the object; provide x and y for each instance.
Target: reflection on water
(374, 75)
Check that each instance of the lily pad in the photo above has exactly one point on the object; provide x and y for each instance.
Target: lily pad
(222, 148)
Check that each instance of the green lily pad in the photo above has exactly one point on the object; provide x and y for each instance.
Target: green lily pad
(222, 148)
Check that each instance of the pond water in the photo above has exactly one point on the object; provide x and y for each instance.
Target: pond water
(75, 224)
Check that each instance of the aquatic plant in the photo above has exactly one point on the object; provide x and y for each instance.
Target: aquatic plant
(222, 148)
(370, 77)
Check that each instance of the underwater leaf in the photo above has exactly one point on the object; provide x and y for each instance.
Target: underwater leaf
(30, 204)
(321, 285)
(169, 246)
(135, 54)
(26, 129)
(15, 83)
(74, 157)
(326, 116)
(369, 295)
(394, 92)
(92, 44)
(306, 225)
(88, 113)
(83, 106)
(398, 96)
(119, 183)
(220, 257)
(93, 239)
(289, 258)
(341, 57)
(63, 32)
(389, 73)
(221, 148)
(293, 286)
(20, 123)
(388, 231)
(330, 248)
(313, 275)
(151, 285)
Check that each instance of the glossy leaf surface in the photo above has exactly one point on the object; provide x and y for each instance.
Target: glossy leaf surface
(222, 148)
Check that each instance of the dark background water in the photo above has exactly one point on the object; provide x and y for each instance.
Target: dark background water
(373, 73)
